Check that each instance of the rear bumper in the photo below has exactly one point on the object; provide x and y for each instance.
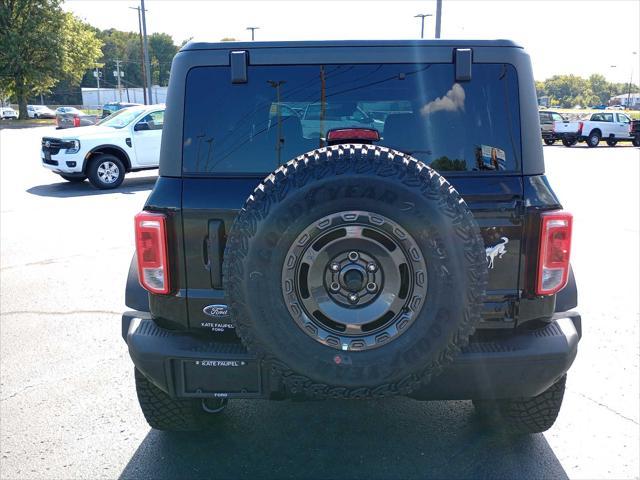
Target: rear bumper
(523, 364)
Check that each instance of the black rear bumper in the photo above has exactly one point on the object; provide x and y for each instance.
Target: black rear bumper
(523, 364)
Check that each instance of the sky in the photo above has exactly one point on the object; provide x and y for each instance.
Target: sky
(577, 37)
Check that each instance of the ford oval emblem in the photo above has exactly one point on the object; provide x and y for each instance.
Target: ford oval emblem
(216, 311)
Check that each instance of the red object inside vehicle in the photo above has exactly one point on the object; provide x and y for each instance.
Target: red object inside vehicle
(339, 135)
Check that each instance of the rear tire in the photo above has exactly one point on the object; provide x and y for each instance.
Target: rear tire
(569, 143)
(524, 415)
(74, 179)
(163, 412)
(548, 141)
(106, 172)
(593, 140)
(636, 142)
(612, 143)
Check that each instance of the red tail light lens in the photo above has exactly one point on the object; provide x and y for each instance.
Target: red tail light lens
(555, 249)
(76, 121)
(151, 247)
(580, 125)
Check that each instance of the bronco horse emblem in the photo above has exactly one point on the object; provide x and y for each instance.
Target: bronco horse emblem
(496, 251)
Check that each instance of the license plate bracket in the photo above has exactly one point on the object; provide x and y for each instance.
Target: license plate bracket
(219, 378)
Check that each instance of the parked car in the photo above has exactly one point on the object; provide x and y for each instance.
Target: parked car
(610, 126)
(127, 141)
(109, 108)
(616, 107)
(599, 107)
(426, 257)
(8, 113)
(547, 120)
(69, 117)
(40, 111)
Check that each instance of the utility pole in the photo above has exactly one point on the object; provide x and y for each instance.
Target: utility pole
(96, 73)
(630, 79)
(118, 74)
(253, 30)
(422, 16)
(277, 85)
(144, 74)
(438, 17)
(146, 49)
(610, 86)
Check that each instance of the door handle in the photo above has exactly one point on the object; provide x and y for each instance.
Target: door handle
(215, 248)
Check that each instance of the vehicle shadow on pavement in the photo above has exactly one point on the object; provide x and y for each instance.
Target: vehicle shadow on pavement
(66, 189)
(395, 438)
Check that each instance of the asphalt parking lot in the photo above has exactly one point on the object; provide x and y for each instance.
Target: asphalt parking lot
(67, 401)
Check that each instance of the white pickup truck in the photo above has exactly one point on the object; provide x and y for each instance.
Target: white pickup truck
(610, 126)
(126, 141)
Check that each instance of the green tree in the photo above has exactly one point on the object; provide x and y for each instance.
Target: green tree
(161, 52)
(41, 45)
(600, 88)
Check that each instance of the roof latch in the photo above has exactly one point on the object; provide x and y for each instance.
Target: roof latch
(463, 60)
(239, 61)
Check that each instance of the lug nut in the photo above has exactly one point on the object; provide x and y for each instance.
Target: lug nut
(353, 256)
(371, 287)
(372, 267)
(334, 267)
(335, 287)
(353, 298)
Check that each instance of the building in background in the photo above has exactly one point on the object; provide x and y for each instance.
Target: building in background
(130, 95)
(633, 99)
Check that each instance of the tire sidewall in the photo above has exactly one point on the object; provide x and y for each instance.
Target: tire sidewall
(257, 296)
(594, 140)
(93, 172)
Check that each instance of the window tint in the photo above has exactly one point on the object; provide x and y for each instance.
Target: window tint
(602, 117)
(557, 117)
(545, 117)
(284, 111)
(623, 118)
(155, 120)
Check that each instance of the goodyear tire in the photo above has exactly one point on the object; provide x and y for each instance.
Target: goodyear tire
(163, 412)
(356, 271)
(521, 416)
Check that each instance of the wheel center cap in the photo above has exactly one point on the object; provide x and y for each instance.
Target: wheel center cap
(353, 279)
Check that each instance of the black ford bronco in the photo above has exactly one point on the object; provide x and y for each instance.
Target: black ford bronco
(352, 220)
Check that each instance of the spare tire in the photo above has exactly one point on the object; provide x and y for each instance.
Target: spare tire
(356, 271)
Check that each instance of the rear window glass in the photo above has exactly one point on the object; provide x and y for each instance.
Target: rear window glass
(284, 111)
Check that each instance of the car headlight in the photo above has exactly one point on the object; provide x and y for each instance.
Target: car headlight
(75, 148)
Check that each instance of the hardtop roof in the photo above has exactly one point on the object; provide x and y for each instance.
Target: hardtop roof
(203, 45)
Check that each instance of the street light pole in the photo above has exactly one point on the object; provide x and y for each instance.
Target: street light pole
(146, 49)
(421, 16)
(438, 17)
(253, 30)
